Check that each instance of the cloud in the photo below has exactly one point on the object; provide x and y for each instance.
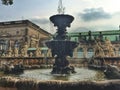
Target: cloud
(96, 28)
(40, 20)
(94, 14)
(81, 29)
(97, 25)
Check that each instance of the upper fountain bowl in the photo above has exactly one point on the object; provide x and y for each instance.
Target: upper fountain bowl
(61, 20)
(61, 47)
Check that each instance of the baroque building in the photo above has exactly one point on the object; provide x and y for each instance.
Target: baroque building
(86, 40)
(19, 35)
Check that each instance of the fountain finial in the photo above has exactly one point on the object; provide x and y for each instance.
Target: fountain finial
(61, 9)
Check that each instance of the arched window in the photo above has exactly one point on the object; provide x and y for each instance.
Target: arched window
(2, 45)
(90, 52)
(80, 52)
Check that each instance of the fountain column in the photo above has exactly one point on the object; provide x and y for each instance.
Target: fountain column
(60, 46)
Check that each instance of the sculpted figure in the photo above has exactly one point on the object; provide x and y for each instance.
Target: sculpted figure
(38, 52)
(24, 50)
(98, 50)
(16, 52)
(9, 52)
(109, 48)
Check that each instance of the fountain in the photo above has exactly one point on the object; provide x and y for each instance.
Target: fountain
(60, 46)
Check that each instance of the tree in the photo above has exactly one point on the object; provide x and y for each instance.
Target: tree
(7, 2)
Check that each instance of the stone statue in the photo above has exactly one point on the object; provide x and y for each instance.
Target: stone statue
(49, 54)
(109, 48)
(9, 52)
(16, 52)
(112, 72)
(106, 50)
(34, 43)
(24, 50)
(99, 52)
(31, 54)
(38, 52)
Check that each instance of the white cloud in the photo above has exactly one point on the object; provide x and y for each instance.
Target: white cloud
(94, 14)
(41, 12)
(99, 25)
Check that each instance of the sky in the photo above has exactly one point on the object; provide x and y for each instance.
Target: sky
(94, 15)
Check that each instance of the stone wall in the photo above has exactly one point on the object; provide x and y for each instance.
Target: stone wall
(7, 88)
(41, 60)
(26, 60)
(10, 83)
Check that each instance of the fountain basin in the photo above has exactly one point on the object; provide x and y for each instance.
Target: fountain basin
(83, 74)
(61, 20)
(10, 83)
(61, 47)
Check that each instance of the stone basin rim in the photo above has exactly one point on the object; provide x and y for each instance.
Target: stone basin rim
(12, 78)
(27, 84)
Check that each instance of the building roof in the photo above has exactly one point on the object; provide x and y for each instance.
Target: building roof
(26, 22)
(95, 33)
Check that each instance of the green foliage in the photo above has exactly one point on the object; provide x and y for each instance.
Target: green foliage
(7, 2)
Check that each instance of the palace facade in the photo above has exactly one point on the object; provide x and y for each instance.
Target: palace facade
(19, 38)
(20, 35)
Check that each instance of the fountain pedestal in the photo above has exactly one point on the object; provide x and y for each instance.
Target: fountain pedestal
(60, 46)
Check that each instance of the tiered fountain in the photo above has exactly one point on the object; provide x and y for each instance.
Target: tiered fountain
(60, 46)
